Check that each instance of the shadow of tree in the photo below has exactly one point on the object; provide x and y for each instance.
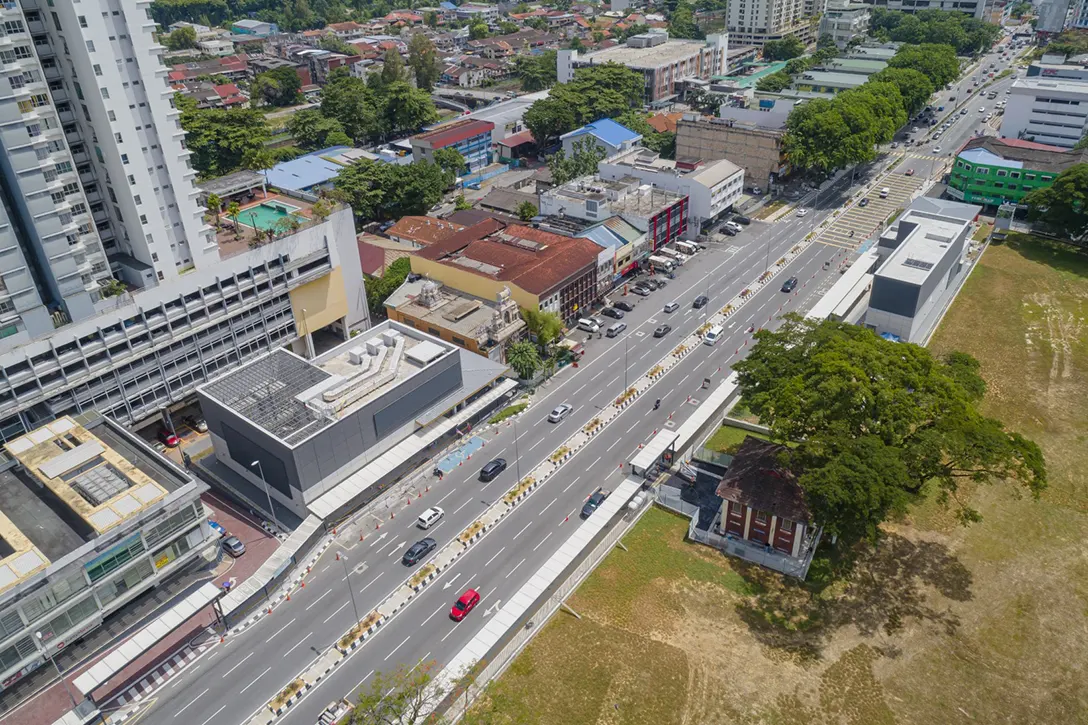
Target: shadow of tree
(1063, 257)
(883, 590)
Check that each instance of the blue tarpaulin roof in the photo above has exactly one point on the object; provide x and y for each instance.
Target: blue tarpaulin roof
(606, 130)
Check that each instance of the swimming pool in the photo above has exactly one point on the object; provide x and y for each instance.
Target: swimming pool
(266, 214)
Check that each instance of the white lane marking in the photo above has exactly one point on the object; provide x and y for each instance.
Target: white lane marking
(466, 503)
(449, 633)
(496, 555)
(371, 582)
(444, 497)
(572, 512)
(609, 384)
(365, 678)
(599, 374)
(514, 569)
(279, 630)
(633, 425)
(613, 445)
(213, 715)
(578, 390)
(396, 648)
(571, 484)
(536, 444)
(396, 549)
(297, 645)
(334, 613)
(542, 542)
(442, 608)
(522, 531)
(255, 680)
(546, 508)
(598, 460)
(318, 600)
(232, 669)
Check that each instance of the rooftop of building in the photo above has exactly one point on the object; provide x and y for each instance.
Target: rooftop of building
(66, 483)
(533, 259)
(751, 73)
(450, 133)
(1033, 84)
(444, 307)
(625, 195)
(669, 52)
(758, 478)
(1017, 154)
(827, 78)
(706, 173)
(423, 230)
(866, 66)
(292, 398)
(507, 200)
(612, 233)
(607, 130)
(922, 236)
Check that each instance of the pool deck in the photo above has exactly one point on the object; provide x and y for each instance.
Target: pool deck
(229, 245)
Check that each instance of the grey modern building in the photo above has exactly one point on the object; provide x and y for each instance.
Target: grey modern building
(98, 189)
(921, 254)
(302, 427)
(90, 518)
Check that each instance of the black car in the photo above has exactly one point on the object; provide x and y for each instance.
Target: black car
(418, 550)
(612, 312)
(730, 231)
(492, 469)
(789, 285)
(625, 306)
(700, 302)
(651, 283)
(661, 283)
(593, 502)
(741, 219)
(864, 202)
(662, 330)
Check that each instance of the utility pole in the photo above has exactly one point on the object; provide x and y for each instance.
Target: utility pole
(347, 578)
(271, 508)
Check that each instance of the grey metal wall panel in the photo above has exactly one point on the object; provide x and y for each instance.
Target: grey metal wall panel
(400, 409)
(894, 296)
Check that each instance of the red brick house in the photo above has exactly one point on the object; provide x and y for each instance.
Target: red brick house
(761, 501)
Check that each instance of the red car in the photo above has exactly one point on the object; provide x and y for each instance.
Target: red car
(464, 605)
(168, 438)
(910, 172)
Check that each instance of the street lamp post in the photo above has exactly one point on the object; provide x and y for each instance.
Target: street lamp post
(60, 674)
(347, 578)
(271, 508)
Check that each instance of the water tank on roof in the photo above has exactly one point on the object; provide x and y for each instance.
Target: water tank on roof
(374, 345)
(356, 355)
(390, 337)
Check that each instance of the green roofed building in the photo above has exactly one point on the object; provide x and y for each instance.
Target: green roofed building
(994, 171)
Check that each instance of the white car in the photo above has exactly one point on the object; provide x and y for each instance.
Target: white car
(802, 212)
(982, 109)
(936, 149)
(561, 411)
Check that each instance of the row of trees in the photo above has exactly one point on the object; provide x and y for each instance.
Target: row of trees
(601, 91)
(845, 130)
(964, 33)
(385, 105)
(378, 191)
(289, 15)
(222, 141)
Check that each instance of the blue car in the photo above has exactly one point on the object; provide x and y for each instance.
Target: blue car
(217, 528)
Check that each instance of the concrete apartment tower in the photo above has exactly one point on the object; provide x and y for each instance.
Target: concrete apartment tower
(97, 186)
(756, 21)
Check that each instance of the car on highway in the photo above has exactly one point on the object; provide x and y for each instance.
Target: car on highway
(910, 172)
(594, 502)
(560, 412)
(982, 109)
(936, 149)
(492, 469)
(864, 203)
(613, 313)
(662, 330)
(672, 307)
(430, 517)
(700, 302)
(168, 438)
(234, 546)
(640, 290)
(625, 306)
(418, 550)
(465, 604)
(789, 285)
(802, 212)
(963, 112)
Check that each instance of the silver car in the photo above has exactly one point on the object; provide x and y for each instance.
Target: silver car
(561, 411)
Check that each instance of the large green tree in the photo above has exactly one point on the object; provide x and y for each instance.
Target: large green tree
(279, 87)
(586, 154)
(536, 72)
(423, 60)
(789, 47)
(914, 87)
(1063, 205)
(682, 23)
(601, 91)
(181, 39)
(937, 62)
(392, 67)
(451, 162)
(312, 130)
(893, 414)
(524, 358)
(379, 191)
(351, 102)
(220, 139)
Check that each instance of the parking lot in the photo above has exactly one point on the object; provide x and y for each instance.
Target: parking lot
(190, 439)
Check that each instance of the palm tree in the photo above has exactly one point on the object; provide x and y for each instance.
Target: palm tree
(233, 210)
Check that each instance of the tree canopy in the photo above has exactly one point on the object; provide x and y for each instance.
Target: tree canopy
(378, 289)
(536, 72)
(789, 47)
(682, 23)
(586, 154)
(936, 62)
(312, 131)
(379, 191)
(371, 114)
(963, 33)
(279, 87)
(423, 60)
(181, 39)
(221, 140)
(1063, 205)
(600, 91)
(876, 421)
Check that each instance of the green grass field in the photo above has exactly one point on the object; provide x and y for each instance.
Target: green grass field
(940, 624)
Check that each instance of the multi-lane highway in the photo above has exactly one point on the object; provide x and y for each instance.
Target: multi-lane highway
(232, 681)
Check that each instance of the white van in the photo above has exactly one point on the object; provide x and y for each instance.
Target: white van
(713, 335)
(428, 518)
(884, 192)
(588, 325)
(686, 247)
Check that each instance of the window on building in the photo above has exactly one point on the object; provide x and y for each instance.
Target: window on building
(1002, 172)
(17, 652)
(56, 594)
(69, 619)
(90, 45)
(761, 517)
(115, 558)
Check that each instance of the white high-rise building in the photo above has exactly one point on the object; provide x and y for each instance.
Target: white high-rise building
(96, 187)
(754, 22)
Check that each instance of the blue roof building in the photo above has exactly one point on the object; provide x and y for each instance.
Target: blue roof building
(608, 134)
(318, 168)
